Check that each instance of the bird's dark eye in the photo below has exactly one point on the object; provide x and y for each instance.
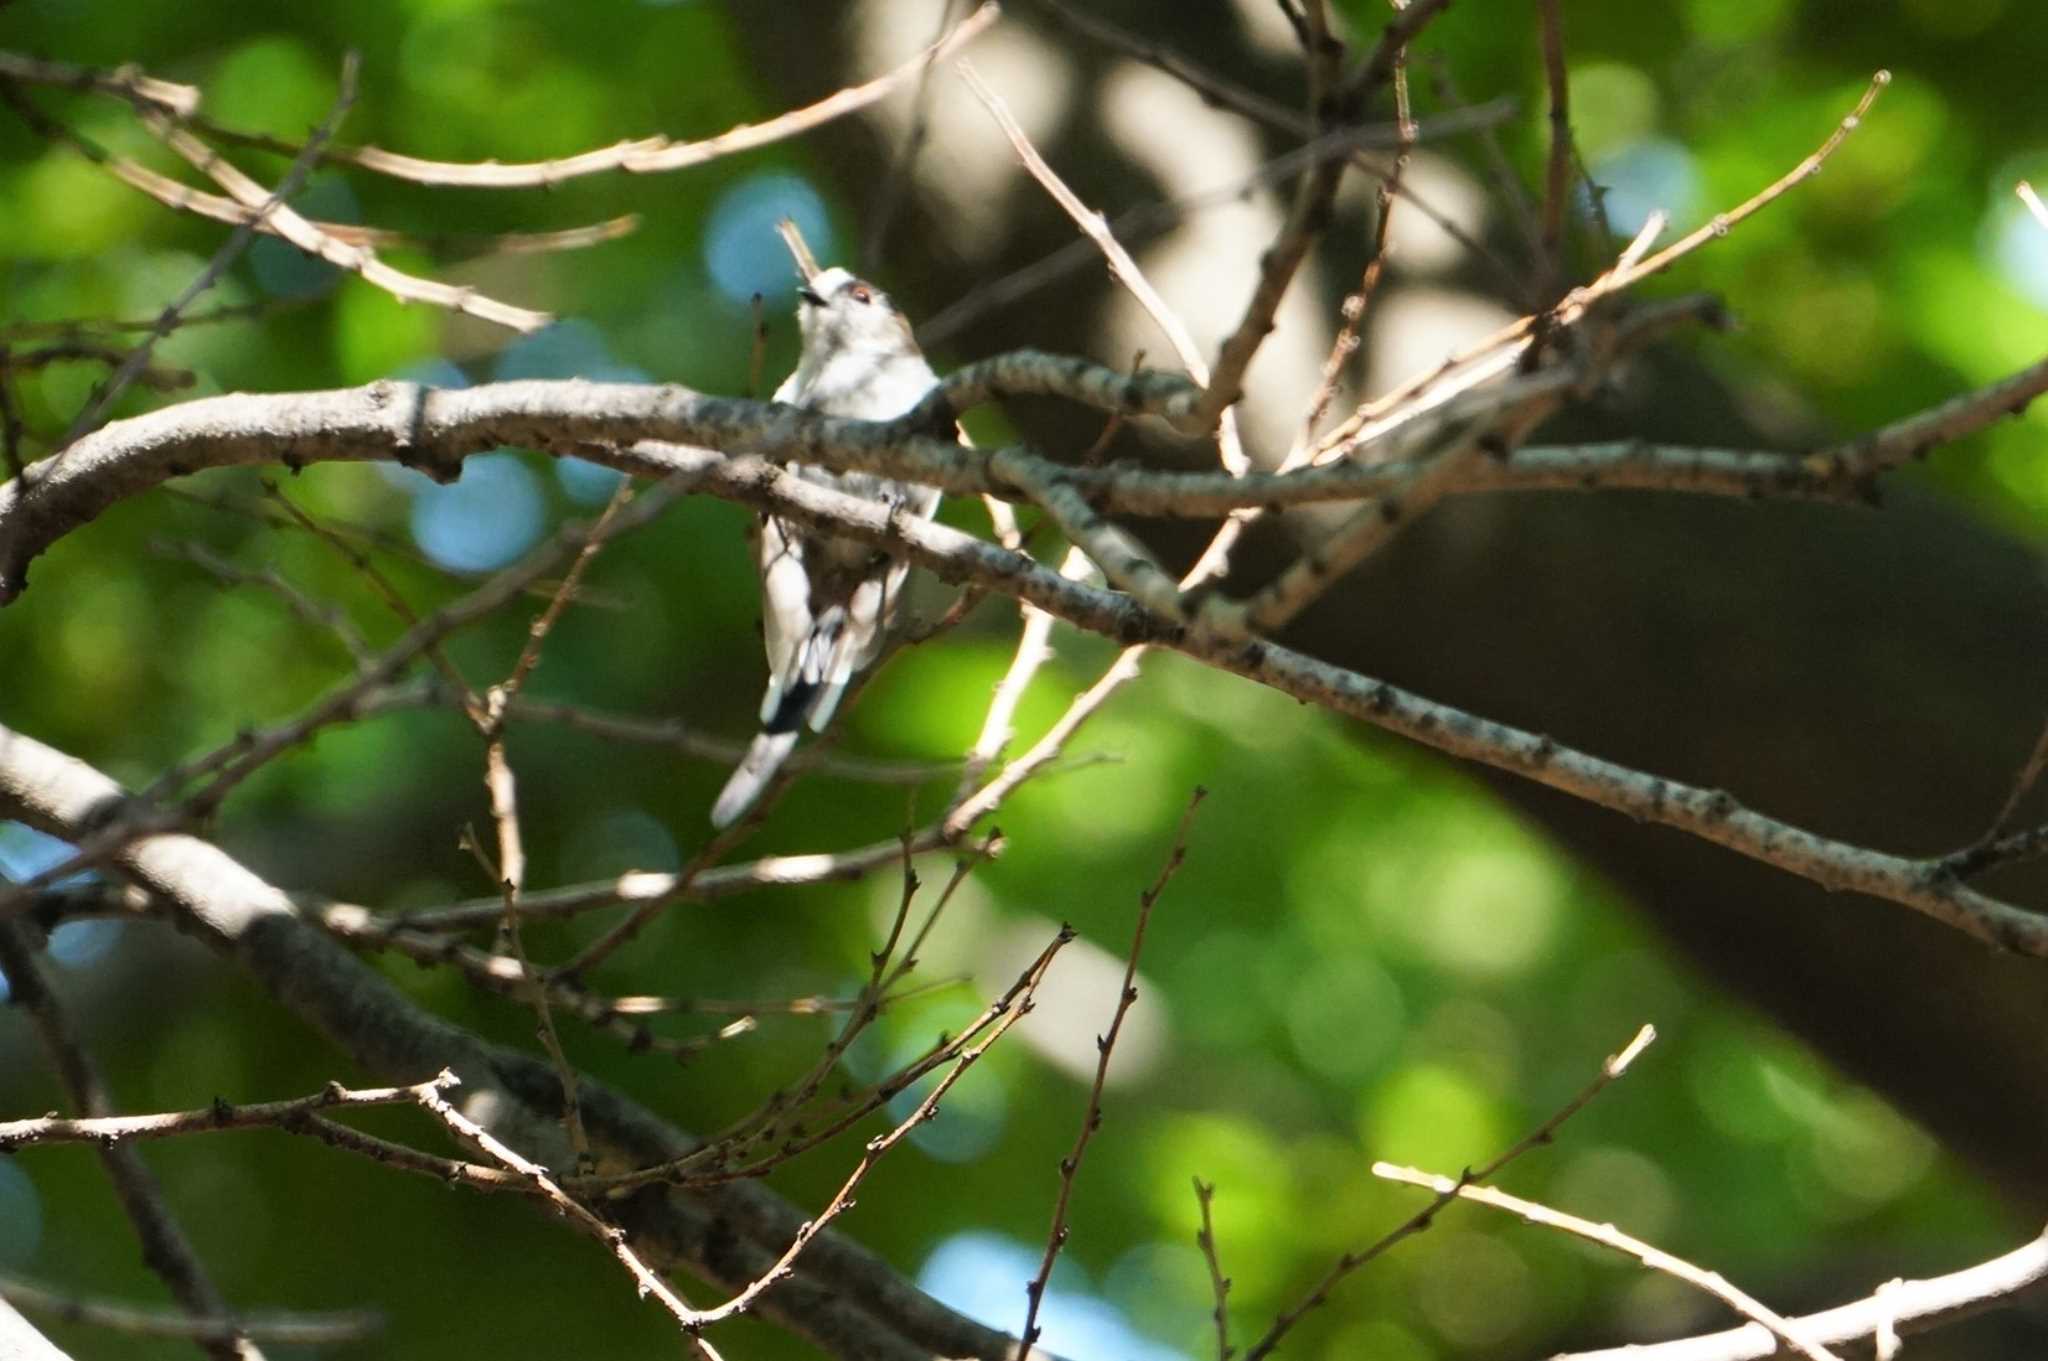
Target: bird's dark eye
(861, 293)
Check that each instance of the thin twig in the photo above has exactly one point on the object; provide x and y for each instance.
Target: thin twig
(503, 787)
(888, 199)
(331, 618)
(640, 156)
(1034, 650)
(1214, 89)
(1219, 1284)
(381, 585)
(1105, 1045)
(773, 1118)
(673, 733)
(297, 1116)
(1895, 1307)
(876, 1148)
(1151, 218)
(1606, 1235)
(111, 1129)
(1557, 184)
(290, 1329)
(360, 260)
(645, 1279)
(104, 396)
(1493, 353)
(157, 379)
(1314, 194)
(1615, 1065)
(166, 1250)
(1121, 265)
(1385, 196)
(2023, 784)
(126, 83)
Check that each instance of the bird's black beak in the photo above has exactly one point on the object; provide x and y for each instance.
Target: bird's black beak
(812, 298)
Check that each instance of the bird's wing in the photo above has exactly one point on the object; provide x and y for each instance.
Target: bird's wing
(785, 588)
(785, 606)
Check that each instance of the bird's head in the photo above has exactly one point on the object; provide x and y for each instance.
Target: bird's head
(839, 312)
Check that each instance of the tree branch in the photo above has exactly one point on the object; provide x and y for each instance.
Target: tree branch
(841, 1297)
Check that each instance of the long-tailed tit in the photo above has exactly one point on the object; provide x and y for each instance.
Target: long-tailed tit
(825, 602)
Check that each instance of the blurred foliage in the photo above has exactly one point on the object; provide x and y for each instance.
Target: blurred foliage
(1363, 957)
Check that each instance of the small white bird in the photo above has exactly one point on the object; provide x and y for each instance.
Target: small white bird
(826, 603)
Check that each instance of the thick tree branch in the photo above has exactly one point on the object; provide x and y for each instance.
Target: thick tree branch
(841, 1297)
(1715, 815)
(434, 429)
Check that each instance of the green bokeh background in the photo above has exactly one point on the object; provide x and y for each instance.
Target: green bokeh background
(1364, 957)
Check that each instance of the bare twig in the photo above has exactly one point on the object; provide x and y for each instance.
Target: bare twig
(1284, 1322)
(1899, 1306)
(1034, 650)
(1105, 1046)
(157, 379)
(165, 1248)
(771, 1122)
(641, 156)
(1713, 1283)
(1213, 88)
(1151, 218)
(104, 396)
(1494, 353)
(127, 83)
(503, 787)
(966, 812)
(299, 1116)
(1370, 528)
(673, 733)
(383, 587)
(2023, 784)
(888, 199)
(1557, 184)
(1219, 1284)
(1720, 224)
(321, 614)
(357, 259)
(646, 1280)
(1121, 265)
(876, 1148)
(513, 975)
(1353, 312)
(290, 1329)
(1314, 194)
(111, 1129)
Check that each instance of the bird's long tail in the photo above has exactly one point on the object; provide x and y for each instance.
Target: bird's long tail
(765, 755)
(836, 643)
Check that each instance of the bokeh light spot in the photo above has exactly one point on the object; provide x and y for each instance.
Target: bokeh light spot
(483, 521)
(21, 1216)
(742, 251)
(1613, 105)
(1644, 177)
(983, 1276)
